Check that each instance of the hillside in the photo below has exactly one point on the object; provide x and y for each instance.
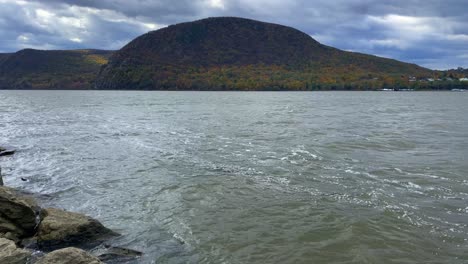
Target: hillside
(223, 53)
(4, 56)
(240, 54)
(54, 69)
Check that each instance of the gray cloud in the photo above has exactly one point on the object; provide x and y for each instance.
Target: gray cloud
(430, 33)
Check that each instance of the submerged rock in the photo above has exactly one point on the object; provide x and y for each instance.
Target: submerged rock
(112, 254)
(19, 215)
(59, 228)
(68, 255)
(6, 152)
(10, 254)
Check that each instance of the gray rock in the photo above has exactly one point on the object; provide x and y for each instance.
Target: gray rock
(19, 215)
(112, 254)
(29, 243)
(59, 228)
(10, 254)
(68, 256)
(7, 152)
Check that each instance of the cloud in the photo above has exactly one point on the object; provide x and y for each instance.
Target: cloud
(42, 26)
(431, 33)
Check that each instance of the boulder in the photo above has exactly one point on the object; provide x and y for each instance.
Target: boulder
(68, 255)
(10, 254)
(19, 215)
(9, 230)
(59, 228)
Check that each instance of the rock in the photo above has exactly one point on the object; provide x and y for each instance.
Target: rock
(68, 255)
(112, 254)
(1, 178)
(19, 215)
(7, 152)
(9, 230)
(29, 243)
(59, 228)
(10, 254)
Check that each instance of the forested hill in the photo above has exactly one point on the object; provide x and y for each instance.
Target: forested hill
(223, 53)
(52, 69)
(241, 54)
(4, 56)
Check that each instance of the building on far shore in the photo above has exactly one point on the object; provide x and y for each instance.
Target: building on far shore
(464, 79)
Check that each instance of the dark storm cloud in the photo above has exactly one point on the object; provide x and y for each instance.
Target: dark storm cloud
(430, 33)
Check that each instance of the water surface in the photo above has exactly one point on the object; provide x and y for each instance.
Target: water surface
(252, 177)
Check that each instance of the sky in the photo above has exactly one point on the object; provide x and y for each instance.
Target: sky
(431, 33)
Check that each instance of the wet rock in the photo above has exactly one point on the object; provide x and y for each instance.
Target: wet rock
(10, 254)
(6, 152)
(68, 255)
(29, 243)
(112, 254)
(19, 215)
(9, 230)
(59, 228)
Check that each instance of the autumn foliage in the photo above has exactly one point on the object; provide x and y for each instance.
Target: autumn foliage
(222, 53)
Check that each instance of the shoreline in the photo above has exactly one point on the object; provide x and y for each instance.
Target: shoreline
(31, 234)
(238, 91)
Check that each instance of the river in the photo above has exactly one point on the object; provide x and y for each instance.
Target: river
(252, 177)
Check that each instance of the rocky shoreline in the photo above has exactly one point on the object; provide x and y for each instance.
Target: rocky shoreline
(30, 234)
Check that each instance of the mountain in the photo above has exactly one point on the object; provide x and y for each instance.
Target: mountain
(53, 69)
(228, 53)
(223, 53)
(4, 56)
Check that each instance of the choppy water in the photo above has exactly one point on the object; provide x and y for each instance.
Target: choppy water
(221, 177)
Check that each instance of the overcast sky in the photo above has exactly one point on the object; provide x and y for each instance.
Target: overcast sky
(431, 33)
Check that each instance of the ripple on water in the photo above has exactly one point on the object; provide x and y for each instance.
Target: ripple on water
(251, 177)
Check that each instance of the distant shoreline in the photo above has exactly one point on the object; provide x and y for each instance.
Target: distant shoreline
(174, 90)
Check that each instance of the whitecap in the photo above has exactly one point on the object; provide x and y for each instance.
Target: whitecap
(414, 185)
(352, 172)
